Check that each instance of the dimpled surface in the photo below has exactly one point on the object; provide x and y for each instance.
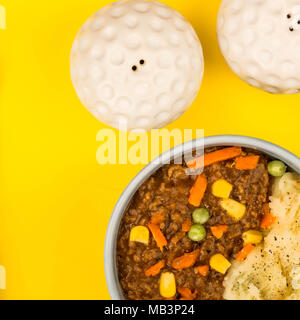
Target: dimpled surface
(137, 63)
(260, 40)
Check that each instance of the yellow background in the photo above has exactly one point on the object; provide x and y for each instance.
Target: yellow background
(55, 200)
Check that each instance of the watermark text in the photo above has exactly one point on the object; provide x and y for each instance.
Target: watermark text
(2, 278)
(2, 18)
(122, 147)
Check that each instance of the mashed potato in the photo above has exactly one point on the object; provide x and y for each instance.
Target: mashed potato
(272, 270)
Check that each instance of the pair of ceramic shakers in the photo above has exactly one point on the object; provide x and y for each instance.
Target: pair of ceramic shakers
(138, 64)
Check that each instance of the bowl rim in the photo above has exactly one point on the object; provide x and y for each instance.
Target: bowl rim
(273, 150)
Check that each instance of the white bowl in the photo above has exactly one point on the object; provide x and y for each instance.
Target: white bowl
(110, 248)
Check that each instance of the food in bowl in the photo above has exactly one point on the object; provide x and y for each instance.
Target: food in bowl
(272, 271)
(181, 234)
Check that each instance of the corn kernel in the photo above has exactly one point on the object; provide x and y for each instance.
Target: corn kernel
(167, 285)
(221, 189)
(252, 236)
(139, 234)
(219, 263)
(235, 209)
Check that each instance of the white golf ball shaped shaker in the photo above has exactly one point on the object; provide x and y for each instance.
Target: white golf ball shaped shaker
(260, 40)
(137, 64)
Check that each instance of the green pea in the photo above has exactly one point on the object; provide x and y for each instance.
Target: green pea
(197, 232)
(277, 168)
(200, 215)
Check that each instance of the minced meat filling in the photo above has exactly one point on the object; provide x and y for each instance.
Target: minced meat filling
(167, 192)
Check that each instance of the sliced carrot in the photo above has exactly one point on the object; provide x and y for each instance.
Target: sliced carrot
(186, 293)
(246, 163)
(268, 221)
(198, 190)
(218, 231)
(186, 226)
(158, 218)
(155, 269)
(244, 253)
(203, 270)
(214, 157)
(186, 261)
(157, 235)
